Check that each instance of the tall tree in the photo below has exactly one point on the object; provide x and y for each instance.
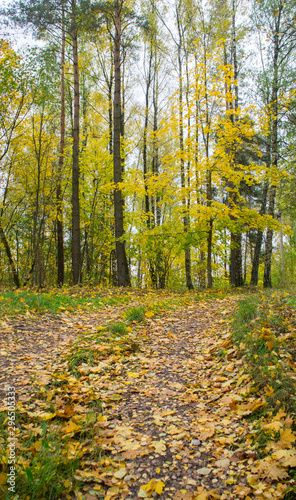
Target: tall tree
(122, 264)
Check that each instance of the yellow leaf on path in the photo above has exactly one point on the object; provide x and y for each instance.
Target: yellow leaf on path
(207, 431)
(208, 495)
(153, 485)
(283, 454)
(112, 493)
(275, 473)
(120, 473)
(290, 462)
(287, 436)
(159, 446)
(159, 487)
(133, 374)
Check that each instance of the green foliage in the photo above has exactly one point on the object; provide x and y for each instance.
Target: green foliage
(136, 314)
(263, 330)
(79, 356)
(118, 329)
(56, 301)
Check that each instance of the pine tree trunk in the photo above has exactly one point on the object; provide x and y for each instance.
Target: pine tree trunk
(122, 264)
(257, 250)
(76, 247)
(274, 154)
(236, 271)
(60, 228)
(268, 242)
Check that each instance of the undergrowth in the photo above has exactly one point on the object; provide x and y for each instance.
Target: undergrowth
(264, 330)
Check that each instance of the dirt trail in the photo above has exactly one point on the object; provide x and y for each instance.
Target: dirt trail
(174, 423)
(171, 426)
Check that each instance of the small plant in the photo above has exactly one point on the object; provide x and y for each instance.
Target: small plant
(118, 329)
(80, 356)
(136, 314)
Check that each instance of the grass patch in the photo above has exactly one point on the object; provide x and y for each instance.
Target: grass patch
(136, 314)
(79, 356)
(264, 331)
(118, 329)
(56, 301)
(43, 462)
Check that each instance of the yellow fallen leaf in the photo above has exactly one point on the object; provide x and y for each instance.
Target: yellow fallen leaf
(153, 485)
(269, 390)
(71, 427)
(206, 432)
(287, 436)
(120, 473)
(112, 492)
(270, 344)
(159, 446)
(276, 425)
(45, 415)
(158, 420)
(38, 445)
(133, 374)
(159, 487)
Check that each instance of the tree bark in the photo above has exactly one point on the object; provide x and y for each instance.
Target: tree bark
(60, 228)
(122, 264)
(10, 258)
(236, 271)
(76, 247)
(145, 165)
(189, 283)
(257, 250)
(274, 150)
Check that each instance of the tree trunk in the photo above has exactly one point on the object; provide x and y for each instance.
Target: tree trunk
(274, 153)
(60, 228)
(76, 248)
(122, 264)
(10, 258)
(257, 250)
(236, 271)
(145, 166)
(189, 283)
(268, 243)
(210, 232)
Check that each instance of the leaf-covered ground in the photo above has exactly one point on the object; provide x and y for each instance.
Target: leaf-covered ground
(142, 400)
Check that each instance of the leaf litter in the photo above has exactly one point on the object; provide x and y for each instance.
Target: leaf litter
(152, 411)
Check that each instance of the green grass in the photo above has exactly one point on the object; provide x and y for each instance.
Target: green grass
(43, 465)
(264, 330)
(56, 301)
(78, 356)
(136, 314)
(118, 329)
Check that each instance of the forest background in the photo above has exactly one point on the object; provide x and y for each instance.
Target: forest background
(148, 143)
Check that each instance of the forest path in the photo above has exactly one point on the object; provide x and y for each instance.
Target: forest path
(155, 410)
(175, 428)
